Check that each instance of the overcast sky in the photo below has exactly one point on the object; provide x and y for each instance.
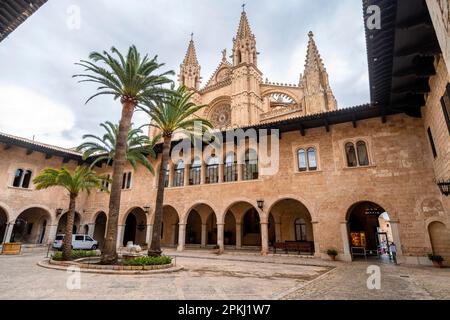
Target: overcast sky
(39, 97)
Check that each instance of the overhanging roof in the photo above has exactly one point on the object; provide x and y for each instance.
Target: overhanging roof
(401, 55)
(14, 12)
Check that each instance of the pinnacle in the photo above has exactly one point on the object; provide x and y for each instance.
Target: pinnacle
(313, 59)
(244, 27)
(191, 55)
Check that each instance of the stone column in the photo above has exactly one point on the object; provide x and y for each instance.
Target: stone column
(238, 236)
(220, 236)
(149, 234)
(264, 238)
(50, 233)
(239, 169)
(174, 233)
(220, 172)
(396, 238)
(186, 174)
(345, 241)
(181, 237)
(203, 173)
(91, 227)
(277, 231)
(8, 232)
(315, 226)
(120, 233)
(203, 243)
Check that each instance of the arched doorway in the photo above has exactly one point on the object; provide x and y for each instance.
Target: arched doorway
(290, 221)
(30, 226)
(62, 224)
(251, 227)
(169, 228)
(440, 240)
(100, 228)
(194, 228)
(135, 227)
(3, 224)
(230, 229)
(369, 229)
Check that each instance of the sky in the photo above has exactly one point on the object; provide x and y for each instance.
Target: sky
(39, 97)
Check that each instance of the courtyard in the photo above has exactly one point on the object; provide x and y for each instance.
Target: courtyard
(233, 276)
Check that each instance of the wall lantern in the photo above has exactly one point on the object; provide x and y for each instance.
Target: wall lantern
(260, 203)
(444, 186)
(146, 209)
(58, 211)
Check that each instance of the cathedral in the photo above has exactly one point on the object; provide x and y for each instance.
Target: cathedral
(349, 179)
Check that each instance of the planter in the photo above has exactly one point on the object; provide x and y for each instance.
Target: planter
(12, 248)
(333, 258)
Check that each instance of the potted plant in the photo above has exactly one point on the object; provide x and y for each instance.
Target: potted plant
(332, 253)
(436, 259)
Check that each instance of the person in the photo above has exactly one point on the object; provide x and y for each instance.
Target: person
(393, 250)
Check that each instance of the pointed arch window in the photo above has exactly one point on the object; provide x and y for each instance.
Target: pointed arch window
(18, 178)
(301, 158)
(312, 159)
(251, 165)
(307, 159)
(195, 172)
(178, 174)
(26, 179)
(357, 156)
(212, 170)
(22, 178)
(230, 173)
(351, 155)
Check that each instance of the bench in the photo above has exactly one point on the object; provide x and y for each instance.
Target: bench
(300, 247)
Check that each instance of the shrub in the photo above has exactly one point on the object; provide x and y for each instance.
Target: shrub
(332, 252)
(435, 257)
(147, 261)
(216, 247)
(76, 254)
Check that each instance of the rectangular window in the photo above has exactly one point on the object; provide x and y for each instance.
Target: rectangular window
(445, 101)
(433, 146)
(126, 180)
(129, 180)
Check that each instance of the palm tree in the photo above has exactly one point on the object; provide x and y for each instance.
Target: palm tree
(134, 80)
(175, 113)
(139, 146)
(79, 180)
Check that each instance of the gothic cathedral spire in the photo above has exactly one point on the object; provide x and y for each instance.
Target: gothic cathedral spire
(318, 94)
(190, 68)
(244, 44)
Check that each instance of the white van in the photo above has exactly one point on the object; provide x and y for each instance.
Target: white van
(79, 242)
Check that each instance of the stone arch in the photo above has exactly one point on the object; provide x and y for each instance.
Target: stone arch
(439, 235)
(61, 229)
(100, 225)
(169, 227)
(238, 217)
(31, 226)
(351, 200)
(52, 213)
(214, 103)
(198, 203)
(306, 203)
(135, 226)
(4, 220)
(7, 210)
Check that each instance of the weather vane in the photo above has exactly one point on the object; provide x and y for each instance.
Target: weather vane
(192, 36)
(243, 7)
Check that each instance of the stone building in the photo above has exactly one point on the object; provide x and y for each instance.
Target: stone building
(339, 169)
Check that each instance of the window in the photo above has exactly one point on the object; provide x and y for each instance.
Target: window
(126, 180)
(178, 175)
(230, 169)
(433, 146)
(307, 159)
(445, 101)
(22, 178)
(166, 176)
(312, 159)
(363, 158)
(212, 170)
(251, 165)
(301, 155)
(357, 156)
(300, 230)
(351, 155)
(18, 178)
(79, 238)
(195, 172)
(105, 184)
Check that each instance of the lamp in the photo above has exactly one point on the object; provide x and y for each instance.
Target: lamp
(444, 186)
(146, 208)
(58, 211)
(260, 203)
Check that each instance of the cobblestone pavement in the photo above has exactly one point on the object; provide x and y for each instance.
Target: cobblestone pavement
(243, 276)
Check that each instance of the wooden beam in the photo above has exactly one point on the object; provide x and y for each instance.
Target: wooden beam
(29, 151)
(48, 156)
(302, 131)
(354, 121)
(66, 160)
(327, 126)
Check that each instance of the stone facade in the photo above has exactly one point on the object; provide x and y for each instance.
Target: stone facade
(313, 204)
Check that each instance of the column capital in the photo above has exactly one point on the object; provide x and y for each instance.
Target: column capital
(314, 222)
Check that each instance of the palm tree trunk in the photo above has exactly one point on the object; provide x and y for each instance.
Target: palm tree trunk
(109, 254)
(67, 246)
(155, 248)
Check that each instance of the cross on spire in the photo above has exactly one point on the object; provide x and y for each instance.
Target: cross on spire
(192, 36)
(243, 7)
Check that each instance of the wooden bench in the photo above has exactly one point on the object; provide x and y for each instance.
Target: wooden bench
(300, 247)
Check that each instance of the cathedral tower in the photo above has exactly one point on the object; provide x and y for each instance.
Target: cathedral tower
(246, 77)
(318, 94)
(190, 69)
